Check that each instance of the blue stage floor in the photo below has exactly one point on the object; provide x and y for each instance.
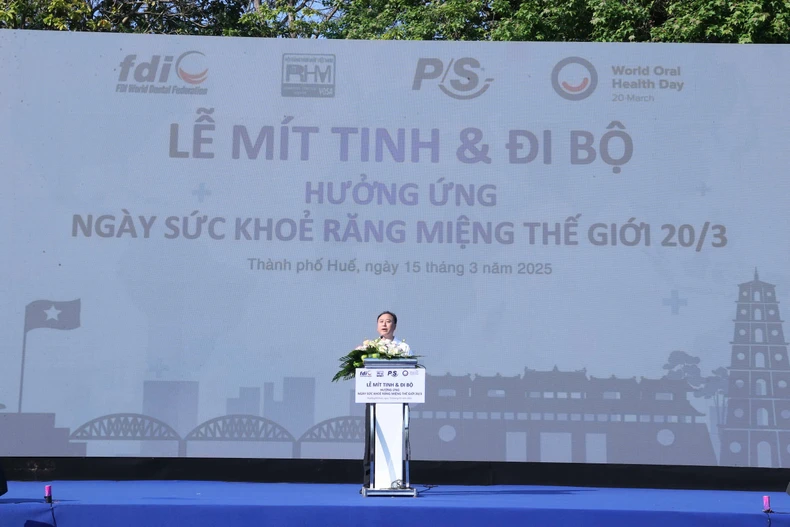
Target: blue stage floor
(204, 504)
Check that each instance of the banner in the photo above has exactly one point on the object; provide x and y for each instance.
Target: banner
(584, 243)
(389, 385)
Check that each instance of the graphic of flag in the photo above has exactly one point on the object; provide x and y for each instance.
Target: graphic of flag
(53, 315)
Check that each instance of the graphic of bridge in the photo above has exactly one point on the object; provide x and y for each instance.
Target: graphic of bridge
(245, 428)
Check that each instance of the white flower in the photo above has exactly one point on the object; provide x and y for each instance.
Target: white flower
(386, 347)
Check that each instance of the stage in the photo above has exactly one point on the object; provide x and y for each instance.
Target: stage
(201, 503)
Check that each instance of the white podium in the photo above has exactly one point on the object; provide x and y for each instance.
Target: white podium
(389, 386)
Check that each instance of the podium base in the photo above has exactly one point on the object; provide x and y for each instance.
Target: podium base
(407, 493)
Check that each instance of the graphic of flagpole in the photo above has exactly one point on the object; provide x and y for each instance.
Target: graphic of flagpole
(22, 374)
(47, 314)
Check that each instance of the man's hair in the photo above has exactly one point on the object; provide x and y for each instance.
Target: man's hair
(390, 313)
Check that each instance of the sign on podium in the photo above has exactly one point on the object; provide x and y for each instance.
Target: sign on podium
(388, 386)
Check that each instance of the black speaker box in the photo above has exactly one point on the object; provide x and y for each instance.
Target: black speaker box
(3, 483)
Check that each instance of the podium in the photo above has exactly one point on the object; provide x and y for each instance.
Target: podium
(388, 386)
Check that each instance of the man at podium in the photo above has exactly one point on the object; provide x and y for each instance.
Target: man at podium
(386, 323)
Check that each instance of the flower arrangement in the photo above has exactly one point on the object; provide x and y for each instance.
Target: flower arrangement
(375, 349)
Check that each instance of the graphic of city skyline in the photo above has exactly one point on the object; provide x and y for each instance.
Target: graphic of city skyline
(555, 415)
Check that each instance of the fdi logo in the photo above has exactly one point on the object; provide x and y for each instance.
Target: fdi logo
(161, 73)
(574, 78)
(460, 78)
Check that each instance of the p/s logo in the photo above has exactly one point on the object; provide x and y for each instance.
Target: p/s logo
(459, 79)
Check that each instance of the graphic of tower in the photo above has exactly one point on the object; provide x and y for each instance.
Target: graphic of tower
(247, 403)
(756, 430)
(175, 403)
(296, 411)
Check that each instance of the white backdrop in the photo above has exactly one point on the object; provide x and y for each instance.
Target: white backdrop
(131, 182)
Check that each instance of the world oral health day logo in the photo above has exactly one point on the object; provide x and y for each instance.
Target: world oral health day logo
(574, 78)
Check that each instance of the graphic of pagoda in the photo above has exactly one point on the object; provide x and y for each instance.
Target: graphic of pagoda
(560, 416)
(756, 431)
